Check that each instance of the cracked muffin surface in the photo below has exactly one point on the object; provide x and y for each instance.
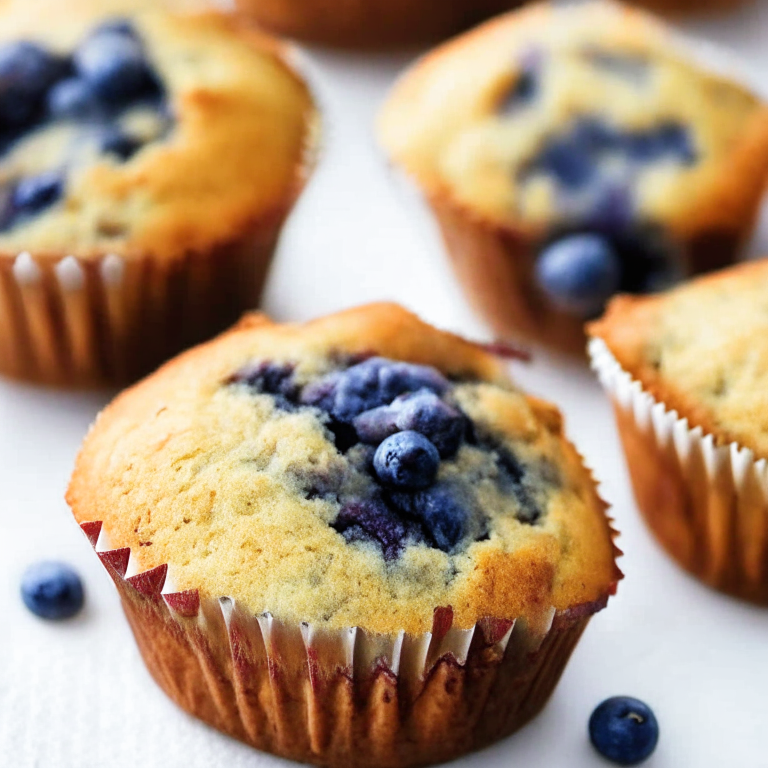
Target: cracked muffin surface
(358, 470)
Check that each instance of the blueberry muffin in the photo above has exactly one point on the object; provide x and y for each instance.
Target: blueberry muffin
(688, 374)
(381, 552)
(569, 153)
(370, 23)
(147, 163)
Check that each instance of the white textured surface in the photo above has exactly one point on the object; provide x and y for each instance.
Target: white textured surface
(76, 695)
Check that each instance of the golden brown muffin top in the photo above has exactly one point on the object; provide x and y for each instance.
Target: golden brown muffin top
(702, 350)
(242, 126)
(219, 466)
(548, 115)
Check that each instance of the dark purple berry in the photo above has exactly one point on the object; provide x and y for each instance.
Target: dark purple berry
(407, 460)
(373, 520)
(377, 424)
(428, 415)
(442, 515)
(52, 590)
(624, 730)
(27, 71)
(36, 193)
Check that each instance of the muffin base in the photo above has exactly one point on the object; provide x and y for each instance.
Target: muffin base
(109, 321)
(707, 504)
(343, 699)
(496, 267)
(370, 23)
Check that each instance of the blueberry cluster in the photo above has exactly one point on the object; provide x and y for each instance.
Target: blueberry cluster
(397, 422)
(108, 73)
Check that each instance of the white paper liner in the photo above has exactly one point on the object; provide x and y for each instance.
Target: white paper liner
(710, 504)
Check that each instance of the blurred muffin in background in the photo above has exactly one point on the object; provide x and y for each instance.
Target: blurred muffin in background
(148, 163)
(571, 153)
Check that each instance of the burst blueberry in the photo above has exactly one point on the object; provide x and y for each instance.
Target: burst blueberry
(407, 460)
(36, 193)
(27, 71)
(114, 65)
(579, 273)
(377, 424)
(52, 590)
(425, 413)
(442, 515)
(373, 521)
(624, 730)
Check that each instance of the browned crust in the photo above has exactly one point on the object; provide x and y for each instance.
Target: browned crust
(301, 705)
(370, 23)
(714, 531)
(529, 587)
(625, 329)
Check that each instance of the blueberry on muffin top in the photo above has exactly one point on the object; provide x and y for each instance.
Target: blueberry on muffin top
(359, 470)
(154, 132)
(550, 122)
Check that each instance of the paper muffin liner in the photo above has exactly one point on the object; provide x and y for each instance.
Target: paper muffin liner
(706, 503)
(83, 322)
(348, 697)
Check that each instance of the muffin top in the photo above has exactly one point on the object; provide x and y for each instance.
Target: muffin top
(358, 470)
(151, 132)
(577, 117)
(702, 350)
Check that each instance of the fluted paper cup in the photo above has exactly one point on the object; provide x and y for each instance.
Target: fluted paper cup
(343, 698)
(707, 503)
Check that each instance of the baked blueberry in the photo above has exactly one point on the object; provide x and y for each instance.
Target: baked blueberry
(624, 730)
(442, 515)
(36, 193)
(72, 98)
(114, 65)
(373, 520)
(27, 71)
(377, 424)
(425, 413)
(117, 142)
(406, 460)
(52, 590)
(579, 273)
(378, 381)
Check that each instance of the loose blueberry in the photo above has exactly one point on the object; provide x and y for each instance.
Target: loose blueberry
(373, 520)
(52, 590)
(428, 415)
(442, 515)
(118, 143)
(114, 65)
(27, 71)
(72, 98)
(377, 424)
(407, 460)
(36, 193)
(579, 273)
(378, 381)
(624, 730)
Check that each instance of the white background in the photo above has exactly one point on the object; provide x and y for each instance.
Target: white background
(76, 695)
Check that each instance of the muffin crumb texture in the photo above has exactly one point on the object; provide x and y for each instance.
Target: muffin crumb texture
(361, 470)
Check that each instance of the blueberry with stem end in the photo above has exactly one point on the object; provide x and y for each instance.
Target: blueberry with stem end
(624, 730)
(52, 590)
(406, 460)
(579, 273)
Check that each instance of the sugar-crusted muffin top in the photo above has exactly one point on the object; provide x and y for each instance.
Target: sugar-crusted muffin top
(702, 350)
(359, 470)
(586, 117)
(143, 132)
